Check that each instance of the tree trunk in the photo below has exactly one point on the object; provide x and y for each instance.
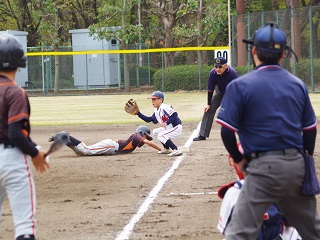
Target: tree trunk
(241, 31)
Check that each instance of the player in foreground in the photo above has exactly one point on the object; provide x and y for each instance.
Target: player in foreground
(274, 225)
(170, 124)
(271, 112)
(16, 146)
(109, 146)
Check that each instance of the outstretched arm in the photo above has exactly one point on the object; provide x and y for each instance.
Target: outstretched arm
(146, 118)
(152, 144)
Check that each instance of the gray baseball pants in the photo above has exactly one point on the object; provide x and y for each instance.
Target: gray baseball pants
(274, 179)
(207, 119)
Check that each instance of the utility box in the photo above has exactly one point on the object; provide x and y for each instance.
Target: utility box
(94, 70)
(22, 74)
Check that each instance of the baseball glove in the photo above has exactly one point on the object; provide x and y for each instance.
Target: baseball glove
(131, 107)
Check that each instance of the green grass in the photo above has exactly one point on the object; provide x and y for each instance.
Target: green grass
(109, 109)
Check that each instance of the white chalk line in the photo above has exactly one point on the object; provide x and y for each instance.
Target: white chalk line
(190, 194)
(127, 230)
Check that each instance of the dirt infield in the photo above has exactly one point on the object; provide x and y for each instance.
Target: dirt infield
(95, 198)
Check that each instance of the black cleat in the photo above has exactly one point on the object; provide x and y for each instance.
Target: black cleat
(199, 138)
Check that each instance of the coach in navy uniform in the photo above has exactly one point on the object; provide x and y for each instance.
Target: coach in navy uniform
(270, 110)
(220, 76)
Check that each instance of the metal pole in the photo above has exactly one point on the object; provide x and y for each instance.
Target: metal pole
(199, 70)
(162, 67)
(229, 33)
(311, 49)
(87, 77)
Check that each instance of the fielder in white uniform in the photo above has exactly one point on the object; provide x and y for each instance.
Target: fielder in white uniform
(170, 124)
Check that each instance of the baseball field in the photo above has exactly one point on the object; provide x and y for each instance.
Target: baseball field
(142, 195)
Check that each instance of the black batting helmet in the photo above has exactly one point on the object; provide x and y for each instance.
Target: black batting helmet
(11, 53)
(144, 131)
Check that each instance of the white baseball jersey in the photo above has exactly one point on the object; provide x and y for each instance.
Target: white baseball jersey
(172, 130)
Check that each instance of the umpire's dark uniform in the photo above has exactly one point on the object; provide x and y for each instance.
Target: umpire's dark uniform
(270, 110)
(220, 76)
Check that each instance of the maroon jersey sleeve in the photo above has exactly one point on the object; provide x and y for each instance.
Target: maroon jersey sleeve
(129, 145)
(15, 107)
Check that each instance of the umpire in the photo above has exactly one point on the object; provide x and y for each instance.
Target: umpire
(16, 146)
(221, 75)
(270, 110)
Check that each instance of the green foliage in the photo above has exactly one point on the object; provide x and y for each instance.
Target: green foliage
(186, 77)
(182, 77)
(116, 15)
(304, 71)
(241, 70)
(144, 74)
(212, 22)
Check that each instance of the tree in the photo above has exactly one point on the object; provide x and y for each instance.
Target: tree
(242, 52)
(22, 14)
(54, 22)
(201, 23)
(125, 34)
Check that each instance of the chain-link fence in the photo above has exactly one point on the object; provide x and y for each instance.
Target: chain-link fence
(86, 72)
(301, 27)
(69, 72)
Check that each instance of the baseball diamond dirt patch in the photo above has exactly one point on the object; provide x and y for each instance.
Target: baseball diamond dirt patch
(82, 198)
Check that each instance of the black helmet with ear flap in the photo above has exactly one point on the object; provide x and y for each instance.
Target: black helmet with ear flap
(144, 131)
(11, 53)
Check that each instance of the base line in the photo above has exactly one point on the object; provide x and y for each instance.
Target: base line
(190, 194)
(127, 230)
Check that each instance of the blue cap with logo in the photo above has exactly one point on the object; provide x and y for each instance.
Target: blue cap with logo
(270, 38)
(219, 61)
(156, 94)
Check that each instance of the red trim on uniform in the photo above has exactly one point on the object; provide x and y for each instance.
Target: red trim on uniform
(32, 217)
(22, 115)
(308, 128)
(266, 216)
(226, 125)
(268, 66)
(7, 83)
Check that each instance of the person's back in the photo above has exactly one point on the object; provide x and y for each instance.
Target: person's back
(271, 112)
(268, 96)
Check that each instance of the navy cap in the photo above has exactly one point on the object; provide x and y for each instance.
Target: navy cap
(157, 94)
(219, 61)
(269, 38)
